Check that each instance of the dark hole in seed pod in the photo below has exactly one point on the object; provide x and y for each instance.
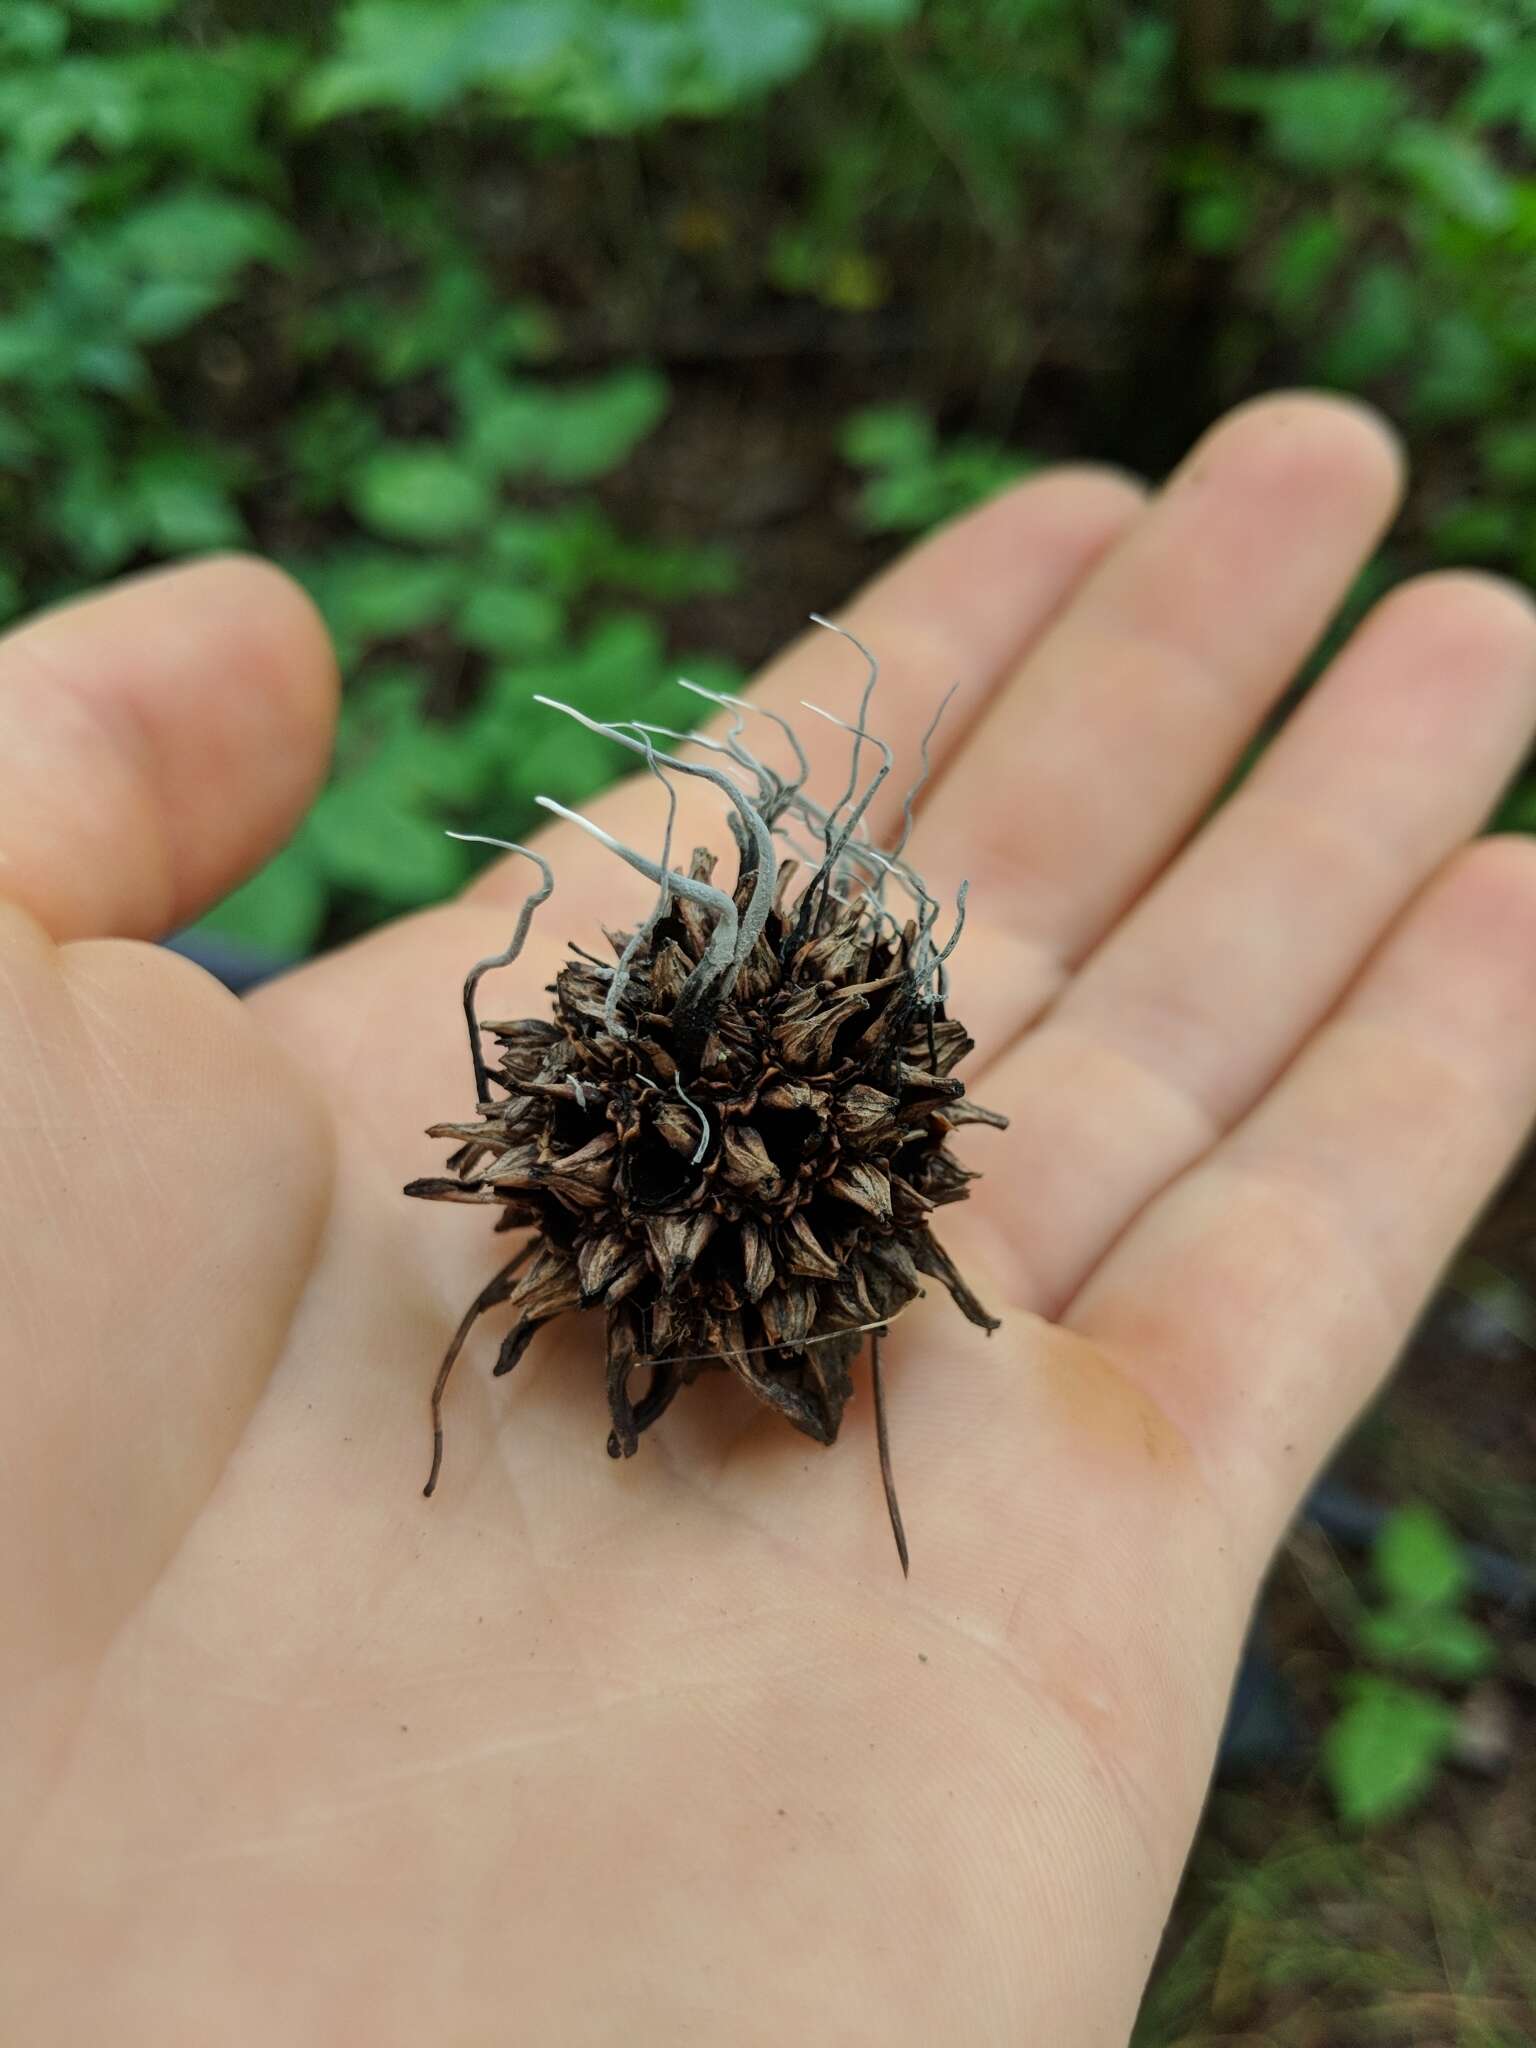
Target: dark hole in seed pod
(573, 1126)
(788, 1135)
(653, 1173)
(834, 1222)
(847, 1035)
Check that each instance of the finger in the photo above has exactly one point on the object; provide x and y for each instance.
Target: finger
(164, 1179)
(1196, 1001)
(157, 743)
(1111, 741)
(1260, 1299)
(961, 608)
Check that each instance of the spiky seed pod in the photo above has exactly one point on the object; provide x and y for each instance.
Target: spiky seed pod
(733, 1141)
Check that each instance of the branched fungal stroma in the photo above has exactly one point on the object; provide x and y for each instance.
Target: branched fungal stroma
(733, 1139)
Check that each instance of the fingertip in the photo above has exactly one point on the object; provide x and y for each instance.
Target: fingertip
(1306, 441)
(163, 738)
(1069, 513)
(277, 643)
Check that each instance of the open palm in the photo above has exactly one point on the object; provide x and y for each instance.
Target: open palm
(578, 1752)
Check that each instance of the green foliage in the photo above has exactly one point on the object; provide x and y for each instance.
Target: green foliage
(420, 493)
(912, 478)
(1383, 1751)
(269, 282)
(600, 65)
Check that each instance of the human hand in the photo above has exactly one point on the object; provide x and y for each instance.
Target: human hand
(580, 1752)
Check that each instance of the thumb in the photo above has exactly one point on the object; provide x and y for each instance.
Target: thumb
(157, 742)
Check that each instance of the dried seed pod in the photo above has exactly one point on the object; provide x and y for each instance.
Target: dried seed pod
(733, 1139)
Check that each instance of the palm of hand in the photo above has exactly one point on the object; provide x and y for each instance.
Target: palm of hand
(668, 1749)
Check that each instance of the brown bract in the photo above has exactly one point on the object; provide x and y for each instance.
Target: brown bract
(823, 1103)
(733, 1140)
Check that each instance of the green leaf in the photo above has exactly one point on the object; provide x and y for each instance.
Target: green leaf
(1322, 121)
(1506, 91)
(1437, 1641)
(183, 504)
(369, 837)
(413, 57)
(280, 910)
(1481, 530)
(31, 29)
(1455, 172)
(1303, 261)
(124, 10)
(1382, 1753)
(1379, 327)
(886, 437)
(1419, 1561)
(568, 434)
(1508, 451)
(10, 596)
(167, 306)
(505, 620)
(201, 236)
(380, 595)
(1461, 376)
(597, 426)
(1219, 220)
(18, 443)
(420, 492)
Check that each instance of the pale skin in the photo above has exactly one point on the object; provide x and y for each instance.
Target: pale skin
(667, 1750)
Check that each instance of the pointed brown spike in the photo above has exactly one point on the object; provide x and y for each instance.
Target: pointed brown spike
(486, 1132)
(515, 1216)
(513, 1168)
(602, 1261)
(670, 968)
(777, 1392)
(894, 1255)
(865, 1115)
(495, 1290)
(931, 1257)
(883, 1439)
(515, 1343)
(440, 1190)
(623, 1353)
(788, 1313)
(723, 1336)
(790, 1094)
(668, 1328)
(676, 1241)
(549, 1287)
(943, 1179)
(678, 1126)
(808, 1042)
(756, 1260)
(921, 1085)
(745, 1164)
(886, 1288)
(828, 1369)
(801, 1250)
(939, 1044)
(908, 1205)
(584, 1177)
(967, 1112)
(863, 1183)
(696, 925)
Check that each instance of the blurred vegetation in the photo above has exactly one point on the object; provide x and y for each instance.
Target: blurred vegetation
(563, 345)
(408, 296)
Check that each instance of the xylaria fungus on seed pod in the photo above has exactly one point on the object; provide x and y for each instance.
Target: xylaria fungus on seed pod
(732, 1139)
